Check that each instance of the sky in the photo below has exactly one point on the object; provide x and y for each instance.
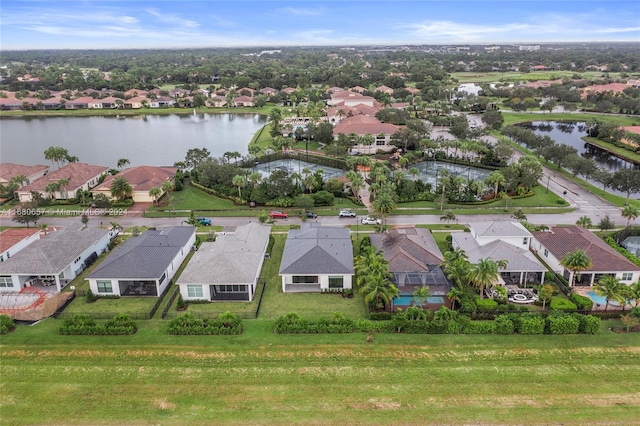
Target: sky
(107, 24)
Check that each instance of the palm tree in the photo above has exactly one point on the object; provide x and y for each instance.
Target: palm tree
(384, 203)
(121, 189)
(608, 287)
(421, 294)
(454, 295)
(63, 183)
(167, 187)
(155, 193)
(122, 162)
(485, 274)
(630, 213)
(239, 181)
(254, 178)
(52, 188)
(634, 293)
(496, 178)
(584, 222)
(575, 261)
(379, 292)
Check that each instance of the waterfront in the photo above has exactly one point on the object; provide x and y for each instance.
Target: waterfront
(156, 140)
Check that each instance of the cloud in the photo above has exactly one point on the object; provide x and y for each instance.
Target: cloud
(173, 19)
(302, 11)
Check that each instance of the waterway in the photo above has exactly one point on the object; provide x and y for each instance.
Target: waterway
(155, 140)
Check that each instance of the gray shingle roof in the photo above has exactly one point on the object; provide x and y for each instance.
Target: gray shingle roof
(408, 249)
(53, 253)
(518, 260)
(500, 228)
(145, 256)
(231, 259)
(317, 250)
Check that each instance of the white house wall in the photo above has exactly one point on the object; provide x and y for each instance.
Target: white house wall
(11, 251)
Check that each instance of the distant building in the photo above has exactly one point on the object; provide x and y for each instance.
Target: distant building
(529, 48)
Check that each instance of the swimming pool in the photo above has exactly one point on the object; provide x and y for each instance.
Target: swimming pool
(600, 300)
(406, 300)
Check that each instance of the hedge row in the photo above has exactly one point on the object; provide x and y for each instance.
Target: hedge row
(84, 325)
(188, 324)
(444, 321)
(6, 324)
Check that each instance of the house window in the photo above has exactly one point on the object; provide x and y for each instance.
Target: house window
(525, 241)
(8, 255)
(231, 288)
(6, 282)
(1, 258)
(336, 282)
(380, 142)
(546, 253)
(305, 279)
(163, 277)
(627, 276)
(104, 286)
(194, 291)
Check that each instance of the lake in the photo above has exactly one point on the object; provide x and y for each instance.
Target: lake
(155, 140)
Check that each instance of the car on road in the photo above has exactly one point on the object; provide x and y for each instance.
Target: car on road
(203, 221)
(311, 215)
(371, 221)
(346, 213)
(277, 214)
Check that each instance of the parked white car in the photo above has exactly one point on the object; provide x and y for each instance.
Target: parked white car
(346, 213)
(371, 221)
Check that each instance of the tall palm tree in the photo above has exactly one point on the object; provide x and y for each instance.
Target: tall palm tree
(122, 163)
(120, 188)
(630, 213)
(155, 193)
(239, 181)
(167, 187)
(634, 293)
(485, 274)
(495, 179)
(454, 295)
(63, 183)
(608, 287)
(576, 261)
(379, 292)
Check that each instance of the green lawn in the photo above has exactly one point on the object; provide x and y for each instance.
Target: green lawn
(620, 152)
(494, 77)
(267, 379)
(524, 117)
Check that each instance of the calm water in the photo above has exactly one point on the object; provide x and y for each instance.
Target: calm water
(571, 134)
(156, 140)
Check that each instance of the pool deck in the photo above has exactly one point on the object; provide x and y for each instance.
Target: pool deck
(583, 290)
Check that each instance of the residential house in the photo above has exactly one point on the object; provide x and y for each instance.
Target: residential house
(136, 102)
(141, 179)
(358, 89)
(55, 259)
(351, 99)
(243, 101)
(80, 175)
(162, 102)
(143, 265)
(317, 258)
(268, 91)
(553, 245)
(364, 125)
(79, 103)
(13, 240)
(502, 240)
(228, 268)
(10, 170)
(414, 261)
(384, 89)
(217, 101)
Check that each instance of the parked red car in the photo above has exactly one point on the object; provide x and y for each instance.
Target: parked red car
(277, 214)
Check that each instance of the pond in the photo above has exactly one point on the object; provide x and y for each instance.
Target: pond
(155, 140)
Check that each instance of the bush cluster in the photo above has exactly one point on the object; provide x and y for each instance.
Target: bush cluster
(583, 303)
(85, 325)
(444, 321)
(6, 324)
(188, 324)
(562, 304)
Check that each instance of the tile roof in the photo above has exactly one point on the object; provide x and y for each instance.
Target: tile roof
(146, 256)
(12, 236)
(9, 170)
(317, 250)
(232, 259)
(362, 125)
(563, 240)
(408, 249)
(518, 259)
(141, 178)
(51, 254)
(77, 173)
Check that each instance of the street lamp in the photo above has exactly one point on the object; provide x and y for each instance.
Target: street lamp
(548, 179)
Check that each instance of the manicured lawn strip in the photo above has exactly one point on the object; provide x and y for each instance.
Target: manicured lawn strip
(441, 240)
(524, 117)
(310, 305)
(620, 152)
(497, 76)
(192, 198)
(261, 378)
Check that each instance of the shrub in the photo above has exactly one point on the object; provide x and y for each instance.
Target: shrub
(180, 305)
(365, 326)
(6, 324)
(562, 304)
(85, 325)
(486, 304)
(504, 325)
(380, 316)
(479, 327)
(583, 303)
(589, 324)
(187, 324)
(323, 198)
(563, 324)
(90, 296)
(531, 324)
(290, 323)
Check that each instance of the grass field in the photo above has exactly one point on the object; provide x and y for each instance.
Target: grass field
(525, 117)
(267, 379)
(494, 77)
